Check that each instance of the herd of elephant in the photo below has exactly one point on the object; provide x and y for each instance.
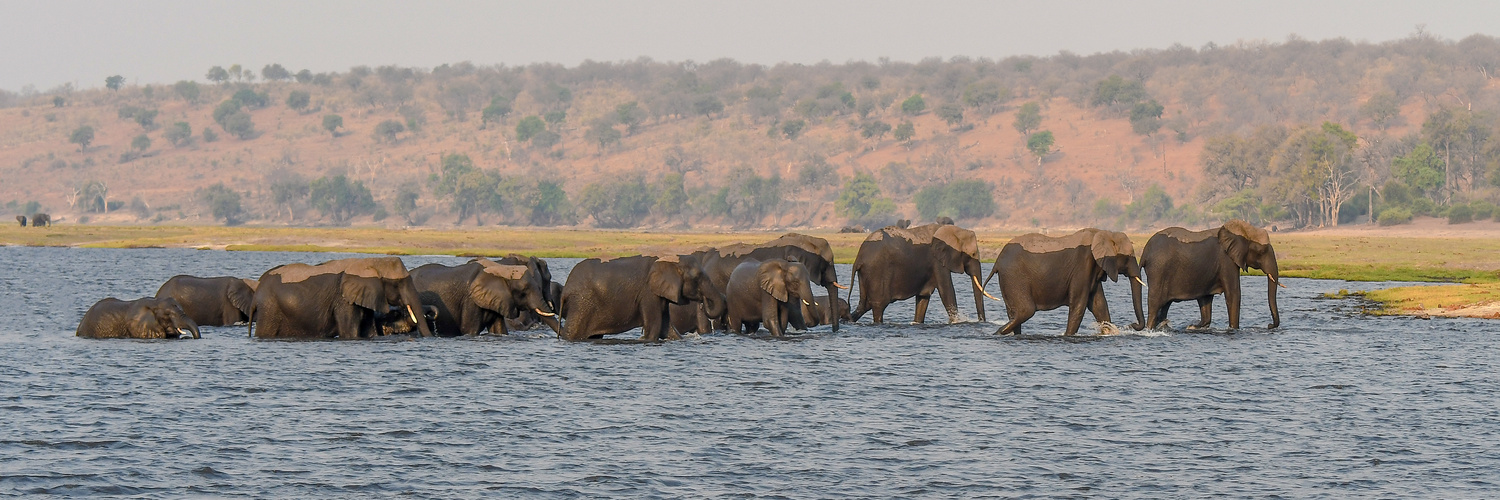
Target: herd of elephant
(737, 288)
(37, 220)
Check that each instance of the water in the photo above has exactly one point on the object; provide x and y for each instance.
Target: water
(1333, 404)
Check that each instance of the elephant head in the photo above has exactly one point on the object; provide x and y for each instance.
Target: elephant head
(1115, 255)
(814, 253)
(957, 250)
(787, 281)
(680, 279)
(162, 318)
(379, 284)
(513, 290)
(1250, 247)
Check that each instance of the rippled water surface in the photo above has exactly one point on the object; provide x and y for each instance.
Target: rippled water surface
(1333, 404)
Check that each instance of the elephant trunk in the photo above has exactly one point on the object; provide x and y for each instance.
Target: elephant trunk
(713, 298)
(184, 324)
(411, 303)
(833, 314)
(973, 270)
(1273, 280)
(1135, 295)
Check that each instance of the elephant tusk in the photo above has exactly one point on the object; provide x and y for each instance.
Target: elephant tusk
(547, 314)
(981, 289)
(1138, 280)
(412, 315)
(805, 302)
(839, 286)
(1273, 280)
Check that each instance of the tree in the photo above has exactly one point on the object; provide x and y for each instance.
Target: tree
(82, 136)
(222, 202)
(603, 133)
(671, 195)
(555, 117)
(141, 143)
(187, 90)
(874, 129)
(1115, 90)
(331, 123)
(913, 105)
(548, 204)
(496, 112)
(546, 139)
(386, 131)
(1151, 206)
(179, 134)
(217, 74)
(275, 72)
(340, 199)
(529, 127)
(859, 197)
(114, 82)
(146, 118)
(58, 101)
(251, 99)
(92, 196)
(616, 203)
(224, 109)
(298, 100)
(952, 113)
(304, 76)
(287, 188)
(708, 104)
(1040, 144)
(905, 132)
(1381, 109)
(793, 128)
(405, 204)
(240, 125)
(1145, 117)
(1421, 169)
(984, 94)
(958, 199)
(469, 188)
(630, 115)
(1028, 118)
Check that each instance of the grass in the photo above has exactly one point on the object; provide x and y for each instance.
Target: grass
(1418, 299)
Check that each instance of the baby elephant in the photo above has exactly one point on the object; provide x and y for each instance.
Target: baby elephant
(773, 292)
(817, 315)
(148, 318)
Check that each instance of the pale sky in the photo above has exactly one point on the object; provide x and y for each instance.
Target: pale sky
(48, 43)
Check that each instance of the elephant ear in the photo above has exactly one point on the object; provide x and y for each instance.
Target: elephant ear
(1236, 246)
(773, 281)
(1104, 250)
(241, 296)
(145, 316)
(960, 239)
(363, 292)
(665, 281)
(487, 295)
(505, 271)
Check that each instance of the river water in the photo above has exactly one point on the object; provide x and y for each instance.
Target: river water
(1333, 404)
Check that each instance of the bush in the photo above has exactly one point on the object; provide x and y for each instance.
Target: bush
(249, 98)
(298, 99)
(239, 125)
(387, 130)
(1394, 216)
(1459, 214)
(1482, 209)
(179, 133)
(209, 135)
(968, 199)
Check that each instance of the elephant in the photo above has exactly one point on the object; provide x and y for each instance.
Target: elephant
(479, 294)
(40, 220)
(346, 299)
(218, 301)
(605, 297)
(21, 219)
(552, 292)
(1195, 265)
(1041, 273)
(813, 252)
(814, 315)
(771, 292)
(944, 220)
(145, 318)
(903, 223)
(896, 264)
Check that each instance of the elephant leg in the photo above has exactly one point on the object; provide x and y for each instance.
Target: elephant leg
(1205, 311)
(1075, 316)
(921, 314)
(705, 325)
(770, 312)
(879, 312)
(1098, 306)
(1018, 313)
(654, 321)
(349, 321)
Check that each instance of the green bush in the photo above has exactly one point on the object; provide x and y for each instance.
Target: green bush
(967, 199)
(1423, 206)
(1482, 209)
(1459, 214)
(1394, 216)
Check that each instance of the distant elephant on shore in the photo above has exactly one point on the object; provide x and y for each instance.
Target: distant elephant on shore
(1041, 273)
(1185, 265)
(773, 292)
(605, 297)
(21, 219)
(346, 299)
(480, 295)
(41, 220)
(897, 264)
(218, 301)
(146, 318)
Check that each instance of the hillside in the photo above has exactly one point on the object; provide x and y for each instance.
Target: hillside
(726, 124)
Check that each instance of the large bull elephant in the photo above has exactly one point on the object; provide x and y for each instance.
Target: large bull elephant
(218, 301)
(1041, 273)
(897, 264)
(1195, 265)
(346, 299)
(812, 252)
(147, 318)
(481, 294)
(605, 297)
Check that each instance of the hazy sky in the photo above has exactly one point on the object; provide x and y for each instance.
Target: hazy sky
(47, 43)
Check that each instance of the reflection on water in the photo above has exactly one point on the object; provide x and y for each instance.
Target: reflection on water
(1332, 404)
